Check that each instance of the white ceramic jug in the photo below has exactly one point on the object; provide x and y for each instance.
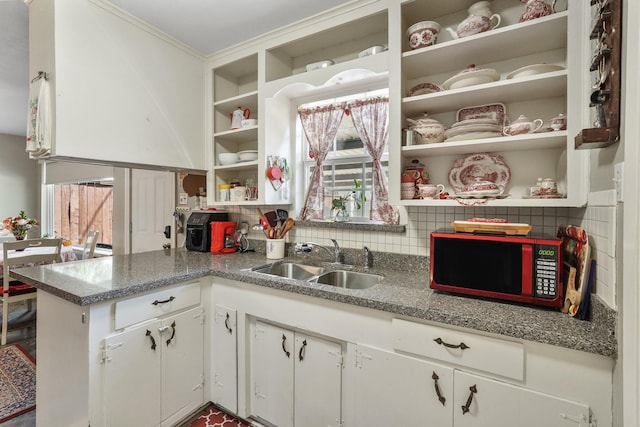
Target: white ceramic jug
(237, 116)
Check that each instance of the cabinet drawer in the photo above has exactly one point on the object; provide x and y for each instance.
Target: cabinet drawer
(156, 304)
(497, 356)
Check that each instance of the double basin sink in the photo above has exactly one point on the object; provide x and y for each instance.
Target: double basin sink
(340, 278)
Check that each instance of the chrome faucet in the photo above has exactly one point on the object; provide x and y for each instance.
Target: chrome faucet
(368, 258)
(306, 247)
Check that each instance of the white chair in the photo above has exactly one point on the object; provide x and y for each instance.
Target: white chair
(23, 253)
(90, 244)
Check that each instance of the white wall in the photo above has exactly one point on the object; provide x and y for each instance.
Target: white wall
(19, 189)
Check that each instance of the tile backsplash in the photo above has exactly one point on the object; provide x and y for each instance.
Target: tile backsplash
(599, 221)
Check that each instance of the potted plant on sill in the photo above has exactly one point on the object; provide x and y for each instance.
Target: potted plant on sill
(343, 207)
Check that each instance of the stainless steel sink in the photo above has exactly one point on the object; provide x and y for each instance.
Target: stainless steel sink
(290, 270)
(349, 279)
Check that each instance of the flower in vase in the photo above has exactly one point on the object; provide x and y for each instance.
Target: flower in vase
(19, 225)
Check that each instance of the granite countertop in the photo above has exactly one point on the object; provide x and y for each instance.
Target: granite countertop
(404, 292)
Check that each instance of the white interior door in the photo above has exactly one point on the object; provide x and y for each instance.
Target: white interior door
(152, 204)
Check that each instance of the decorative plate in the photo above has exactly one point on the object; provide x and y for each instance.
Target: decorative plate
(473, 135)
(496, 112)
(423, 89)
(461, 130)
(533, 69)
(471, 77)
(484, 166)
(475, 122)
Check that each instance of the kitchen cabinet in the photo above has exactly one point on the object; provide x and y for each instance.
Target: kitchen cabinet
(224, 358)
(164, 359)
(292, 373)
(391, 389)
(121, 91)
(417, 390)
(511, 46)
(389, 366)
(111, 373)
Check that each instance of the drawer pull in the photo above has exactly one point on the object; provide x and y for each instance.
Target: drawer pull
(153, 341)
(301, 353)
(435, 378)
(284, 339)
(173, 332)
(465, 407)
(156, 302)
(461, 346)
(226, 324)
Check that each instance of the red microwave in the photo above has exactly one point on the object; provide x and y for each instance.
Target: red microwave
(512, 268)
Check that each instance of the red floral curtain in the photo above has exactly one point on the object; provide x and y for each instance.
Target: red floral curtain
(320, 126)
(371, 120)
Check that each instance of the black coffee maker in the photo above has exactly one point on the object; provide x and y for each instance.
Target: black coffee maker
(199, 229)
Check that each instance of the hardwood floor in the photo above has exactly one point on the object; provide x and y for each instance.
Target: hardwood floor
(26, 337)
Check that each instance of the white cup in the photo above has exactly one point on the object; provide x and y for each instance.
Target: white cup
(428, 191)
(275, 248)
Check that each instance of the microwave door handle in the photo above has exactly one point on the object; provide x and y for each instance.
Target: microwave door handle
(527, 270)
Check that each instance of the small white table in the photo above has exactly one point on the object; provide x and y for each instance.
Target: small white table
(66, 254)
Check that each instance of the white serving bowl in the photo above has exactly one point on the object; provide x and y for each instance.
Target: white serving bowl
(228, 158)
(319, 64)
(248, 123)
(372, 51)
(248, 155)
(471, 76)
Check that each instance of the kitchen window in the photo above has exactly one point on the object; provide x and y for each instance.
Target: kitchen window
(347, 170)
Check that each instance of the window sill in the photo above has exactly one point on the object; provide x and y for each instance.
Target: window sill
(351, 225)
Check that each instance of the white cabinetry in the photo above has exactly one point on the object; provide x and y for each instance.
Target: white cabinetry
(554, 39)
(112, 375)
(297, 378)
(224, 355)
(389, 366)
(234, 84)
(121, 91)
(164, 359)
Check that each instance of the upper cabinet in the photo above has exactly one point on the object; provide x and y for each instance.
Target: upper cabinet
(536, 70)
(531, 68)
(121, 91)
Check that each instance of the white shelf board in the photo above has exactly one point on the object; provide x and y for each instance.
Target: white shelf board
(237, 166)
(512, 90)
(238, 135)
(534, 141)
(245, 100)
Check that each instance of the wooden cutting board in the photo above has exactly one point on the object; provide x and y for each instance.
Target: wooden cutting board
(508, 228)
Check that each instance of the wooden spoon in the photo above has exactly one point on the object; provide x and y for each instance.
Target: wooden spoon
(288, 225)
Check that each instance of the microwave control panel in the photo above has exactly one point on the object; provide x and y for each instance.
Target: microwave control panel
(546, 271)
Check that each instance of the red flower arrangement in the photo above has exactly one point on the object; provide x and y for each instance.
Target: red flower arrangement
(19, 225)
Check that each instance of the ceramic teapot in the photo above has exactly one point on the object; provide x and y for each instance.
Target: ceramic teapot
(537, 8)
(237, 116)
(523, 125)
(480, 19)
(426, 130)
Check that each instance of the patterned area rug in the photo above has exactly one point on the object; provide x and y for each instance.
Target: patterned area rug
(215, 417)
(17, 382)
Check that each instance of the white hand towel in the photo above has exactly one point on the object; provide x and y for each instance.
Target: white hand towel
(39, 118)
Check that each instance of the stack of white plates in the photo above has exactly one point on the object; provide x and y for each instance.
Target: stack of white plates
(473, 129)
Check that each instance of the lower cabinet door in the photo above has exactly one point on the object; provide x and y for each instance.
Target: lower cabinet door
(132, 377)
(182, 341)
(482, 402)
(391, 389)
(272, 356)
(318, 382)
(224, 354)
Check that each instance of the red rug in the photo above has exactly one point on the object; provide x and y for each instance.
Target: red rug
(17, 382)
(214, 417)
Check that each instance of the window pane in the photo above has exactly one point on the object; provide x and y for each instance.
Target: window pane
(80, 208)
